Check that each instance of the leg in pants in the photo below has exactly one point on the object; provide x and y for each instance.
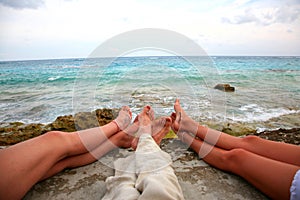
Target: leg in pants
(154, 177)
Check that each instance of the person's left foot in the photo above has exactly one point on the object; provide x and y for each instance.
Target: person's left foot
(160, 128)
(142, 124)
(163, 127)
(124, 118)
(122, 139)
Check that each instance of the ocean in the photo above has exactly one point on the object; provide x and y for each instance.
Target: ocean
(38, 91)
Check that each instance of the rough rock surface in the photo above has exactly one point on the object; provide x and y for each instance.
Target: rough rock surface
(224, 87)
(291, 136)
(12, 133)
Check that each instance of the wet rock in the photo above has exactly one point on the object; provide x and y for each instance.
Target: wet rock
(238, 129)
(224, 87)
(12, 133)
(235, 129)
(291, 136)
(62, 123)
(85, 120)
(99, 117)
(106, 115)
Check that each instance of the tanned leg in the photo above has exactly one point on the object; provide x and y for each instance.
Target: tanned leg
(272, 177)
(120, 139)
(25, 163)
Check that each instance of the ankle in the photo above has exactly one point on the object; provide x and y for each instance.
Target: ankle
(115, 126)
(191, 126)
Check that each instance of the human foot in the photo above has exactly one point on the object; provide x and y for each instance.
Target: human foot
(122, 139)
(145, 119)
(124, 118)
(160, 128)
(139, 122)
(181, 121)
(143, 124)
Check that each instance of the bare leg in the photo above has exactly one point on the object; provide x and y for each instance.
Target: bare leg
(91, 138)
(27, 162)
(275, 150)
(121, 139)
(270, 176)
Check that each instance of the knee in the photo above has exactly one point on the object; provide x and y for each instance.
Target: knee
(250, 140)
(61, 140)
(232, 159)
(54, 135)
(160, 187)
(57, 137)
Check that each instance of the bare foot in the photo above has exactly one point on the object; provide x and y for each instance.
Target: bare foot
(144, 122)
(181, 121)
(122, 139)
(160, 128)
(124, 118)
(134, 128)
(145, 119)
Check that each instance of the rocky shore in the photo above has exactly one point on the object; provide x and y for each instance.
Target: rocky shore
(14, 132)
(197, 179)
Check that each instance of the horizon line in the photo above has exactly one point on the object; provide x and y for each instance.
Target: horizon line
(69, 58)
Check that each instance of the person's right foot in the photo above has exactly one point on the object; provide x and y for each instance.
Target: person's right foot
(143, 121)
(160, 128)
(181, 121)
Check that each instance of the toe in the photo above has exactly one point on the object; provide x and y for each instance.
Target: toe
(134, 143)
(127, 109)
(168, 122)
(177, 106)
(173, 116)
(148, 110)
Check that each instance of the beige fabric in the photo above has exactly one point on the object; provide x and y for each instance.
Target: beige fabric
(145, 175)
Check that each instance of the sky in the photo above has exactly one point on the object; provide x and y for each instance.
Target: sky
(49, 29)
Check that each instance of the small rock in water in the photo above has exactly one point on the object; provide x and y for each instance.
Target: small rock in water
(224, 87)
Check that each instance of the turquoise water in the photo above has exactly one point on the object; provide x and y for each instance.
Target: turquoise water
(41, 90)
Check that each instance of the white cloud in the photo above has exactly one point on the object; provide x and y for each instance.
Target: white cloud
(261, 13)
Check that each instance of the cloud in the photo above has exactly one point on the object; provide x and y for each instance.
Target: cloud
(22, 4)
(265, 15)
(247, 17)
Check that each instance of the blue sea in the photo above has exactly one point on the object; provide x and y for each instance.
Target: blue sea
(40, 90)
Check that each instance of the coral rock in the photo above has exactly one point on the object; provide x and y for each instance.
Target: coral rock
(224, 87)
